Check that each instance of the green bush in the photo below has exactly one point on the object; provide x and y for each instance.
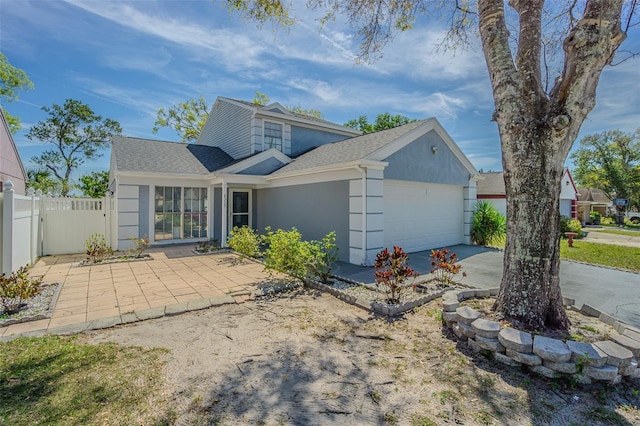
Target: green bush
(570, 225)
(245, 240)
(608, 221)
(97, 248)
(286, 252)
(139, 246)
(489, 226)
(16, 288)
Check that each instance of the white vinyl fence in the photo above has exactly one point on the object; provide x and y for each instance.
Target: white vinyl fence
(38, 225)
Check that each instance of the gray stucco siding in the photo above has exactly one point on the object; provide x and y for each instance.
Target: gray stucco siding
(263, 168)
(143, 212)
(216, 214)
(314, 209)
(417, 162)
(304, 139)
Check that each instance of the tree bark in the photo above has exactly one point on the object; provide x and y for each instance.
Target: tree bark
(536, 133)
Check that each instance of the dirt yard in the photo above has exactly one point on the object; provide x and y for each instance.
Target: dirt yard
(306, 358)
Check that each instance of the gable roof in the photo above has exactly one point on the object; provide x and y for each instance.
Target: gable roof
(491, 184)
(154, 156)
(353, 149)
(593, 195)
(274, 109)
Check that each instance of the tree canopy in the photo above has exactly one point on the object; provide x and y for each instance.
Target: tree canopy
(263, 99)
(12, 80)
(76, 133)
(383, 121)
(42, 179)
(538, 111)
(186, 118)
(95, 184)
(610, 161)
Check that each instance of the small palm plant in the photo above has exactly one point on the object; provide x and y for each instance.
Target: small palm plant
(489, 226)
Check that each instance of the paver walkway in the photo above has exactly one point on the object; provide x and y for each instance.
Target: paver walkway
(174, 276)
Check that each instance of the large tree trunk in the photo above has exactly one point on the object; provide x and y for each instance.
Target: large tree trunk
(537, 131)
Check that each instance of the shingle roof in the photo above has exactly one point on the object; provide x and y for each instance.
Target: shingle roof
(492, 184)
(593, 195)
(146, 155)
(352, 149)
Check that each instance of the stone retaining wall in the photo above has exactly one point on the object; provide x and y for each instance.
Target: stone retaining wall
(610, 361)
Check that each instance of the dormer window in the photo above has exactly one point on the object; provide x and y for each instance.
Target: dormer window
(272, 136)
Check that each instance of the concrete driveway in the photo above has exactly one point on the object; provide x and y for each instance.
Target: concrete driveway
(614, 292)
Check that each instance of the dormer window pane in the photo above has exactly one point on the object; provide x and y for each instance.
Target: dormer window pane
(272, 136)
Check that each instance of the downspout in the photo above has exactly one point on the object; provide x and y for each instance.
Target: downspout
(223, 230)
(364, 213)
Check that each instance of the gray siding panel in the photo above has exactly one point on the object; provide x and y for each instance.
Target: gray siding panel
(143, 212)
(229, 128)
(216, 214)
(304, 139)
(314, 209)
(417, 162)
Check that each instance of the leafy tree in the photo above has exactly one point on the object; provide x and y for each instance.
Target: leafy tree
(76, 133)
(610, 161)
(42, 179)
(538, 115)
(261, 99)
(95, 185)
(12, 80)
(383, 121)
(186, 118)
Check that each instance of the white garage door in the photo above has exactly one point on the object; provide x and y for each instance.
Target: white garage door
(420, 216)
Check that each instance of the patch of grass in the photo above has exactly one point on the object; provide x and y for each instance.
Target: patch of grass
(606, 415)
(446, 395)
(56, 380)
(421, 420)
(602, 254)
(619, 232)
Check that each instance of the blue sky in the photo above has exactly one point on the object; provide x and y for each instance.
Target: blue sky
(127, 59)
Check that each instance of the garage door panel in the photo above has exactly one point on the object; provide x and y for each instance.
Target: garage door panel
(420, 216)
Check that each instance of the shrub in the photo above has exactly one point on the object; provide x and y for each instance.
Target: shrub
(286, 252)
(323, 254)
(16, 288)
(570, 225)
(445, 267)
(97, 248)
(245, 240)
(140, 245)
(392, 273)
(489, 226)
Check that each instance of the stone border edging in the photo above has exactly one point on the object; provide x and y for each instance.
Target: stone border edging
(609, 361)
(52, 305)
(377, 307)
(145, 257)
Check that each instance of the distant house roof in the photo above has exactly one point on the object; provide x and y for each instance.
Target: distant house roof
(352, 149)
(492, 184)
(593, 195)
(153, 156)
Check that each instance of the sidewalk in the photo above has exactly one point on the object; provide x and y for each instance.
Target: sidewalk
(174, 281)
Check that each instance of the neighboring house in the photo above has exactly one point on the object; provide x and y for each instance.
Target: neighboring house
(592, 200)
(11, 167)
(264, 166)
(491, 188)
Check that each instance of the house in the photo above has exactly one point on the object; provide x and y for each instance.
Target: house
(592, 200)
(265, 166)
(491, 189)
(11, 167)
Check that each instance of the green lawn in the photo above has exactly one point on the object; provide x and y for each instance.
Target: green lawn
(57, 381)
(602, 254)
(619, 232)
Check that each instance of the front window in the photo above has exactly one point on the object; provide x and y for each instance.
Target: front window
(272, 136)
(180, 213)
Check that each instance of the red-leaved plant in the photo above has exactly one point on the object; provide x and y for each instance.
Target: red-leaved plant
(445, 267)
(392, 273)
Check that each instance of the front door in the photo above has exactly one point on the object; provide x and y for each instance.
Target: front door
(240, 208)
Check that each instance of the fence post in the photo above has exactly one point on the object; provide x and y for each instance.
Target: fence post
(7, 228)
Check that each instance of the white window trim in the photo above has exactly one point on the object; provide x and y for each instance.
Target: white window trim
(264, 148)
(230, 206)
(152, 213)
